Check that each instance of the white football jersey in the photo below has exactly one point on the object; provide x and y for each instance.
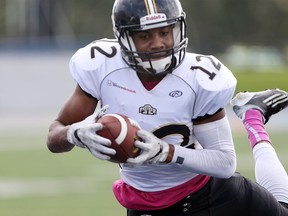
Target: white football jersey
(200, 85)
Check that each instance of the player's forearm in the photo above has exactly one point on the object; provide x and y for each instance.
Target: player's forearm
(220, 164)
(218, 157)
(57, 138)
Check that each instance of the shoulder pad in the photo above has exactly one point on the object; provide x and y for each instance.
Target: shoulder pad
(214, 84)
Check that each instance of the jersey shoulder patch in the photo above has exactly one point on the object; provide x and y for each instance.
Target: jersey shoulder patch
(213, 83)
(96, 53)
(211, 74)
(91, 63)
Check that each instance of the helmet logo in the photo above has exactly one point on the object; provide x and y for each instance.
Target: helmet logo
(152, 18)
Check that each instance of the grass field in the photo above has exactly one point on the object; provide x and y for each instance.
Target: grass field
(251, 80)
(35, 182)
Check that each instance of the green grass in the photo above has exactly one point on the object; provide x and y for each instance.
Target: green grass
(75, 183)
(251, 80)
(245, 159)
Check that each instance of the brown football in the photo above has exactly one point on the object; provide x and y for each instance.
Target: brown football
(121, 130)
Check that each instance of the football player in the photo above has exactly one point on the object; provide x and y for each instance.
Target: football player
(187, 161)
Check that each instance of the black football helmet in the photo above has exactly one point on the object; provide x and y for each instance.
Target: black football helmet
(141, 15)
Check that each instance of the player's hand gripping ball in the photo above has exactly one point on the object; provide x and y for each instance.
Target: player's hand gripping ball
(122, 131)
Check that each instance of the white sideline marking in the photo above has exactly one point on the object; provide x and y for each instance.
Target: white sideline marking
(11, 188)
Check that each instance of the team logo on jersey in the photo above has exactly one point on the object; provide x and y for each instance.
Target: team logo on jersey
(147, 109)
(176, 93)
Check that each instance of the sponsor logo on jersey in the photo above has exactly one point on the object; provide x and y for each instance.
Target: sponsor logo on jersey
(176, 94)
(113, 84)
(147, 109)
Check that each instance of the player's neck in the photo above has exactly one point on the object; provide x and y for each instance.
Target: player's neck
(148, 81)
(148, 78)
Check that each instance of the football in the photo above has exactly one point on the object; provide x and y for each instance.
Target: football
(121, 130)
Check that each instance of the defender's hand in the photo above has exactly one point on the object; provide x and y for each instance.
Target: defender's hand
(153, 149)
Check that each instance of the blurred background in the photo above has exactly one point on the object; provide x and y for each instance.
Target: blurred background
(37, 39)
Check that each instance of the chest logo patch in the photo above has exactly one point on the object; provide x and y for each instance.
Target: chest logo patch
(175, 94)
(147, 109)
